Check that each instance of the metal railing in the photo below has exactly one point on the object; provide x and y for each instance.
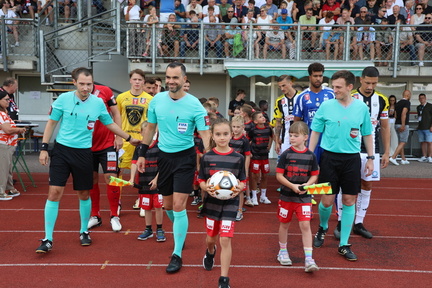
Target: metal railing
(157, 42)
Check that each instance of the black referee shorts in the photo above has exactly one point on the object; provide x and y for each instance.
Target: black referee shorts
(65, 161)
(176, 171)
(342, 171)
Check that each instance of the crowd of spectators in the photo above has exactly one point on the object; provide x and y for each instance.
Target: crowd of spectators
(323, 25)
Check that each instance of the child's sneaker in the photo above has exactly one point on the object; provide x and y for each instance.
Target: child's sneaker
(196, 200)
(255, 201)
(239, 216)
(208, 260)
(265, 200)
(146, 234)
(283, 258)
(248, 202)
(160, 235)
(310, 265)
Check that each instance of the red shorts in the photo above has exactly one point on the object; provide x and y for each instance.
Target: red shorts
(225, 228)
(287, 209)
(195, 180)
(150, 201)
(260, 165)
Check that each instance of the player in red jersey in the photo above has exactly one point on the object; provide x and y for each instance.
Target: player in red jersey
(105, 147)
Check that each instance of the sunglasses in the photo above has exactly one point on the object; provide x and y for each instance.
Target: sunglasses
(385, 11)
(363, 11)
(419, 8)
(7, 99)
(230, 11)
(428, 18)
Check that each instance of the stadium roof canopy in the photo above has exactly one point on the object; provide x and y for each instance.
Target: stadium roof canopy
(295, 69)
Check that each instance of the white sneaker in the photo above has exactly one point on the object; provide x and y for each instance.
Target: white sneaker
(310, 266)
(255, 201)
(248, 202)
(265, 200)
(421, 63)
(94, 221)
(405, 162)
(283, 258)
(5, 197)
(142, 212)
(393, 161)
(430, 159)
(115, 224)
(423, 159)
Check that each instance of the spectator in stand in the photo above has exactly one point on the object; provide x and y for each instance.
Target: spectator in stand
(210, 12)
(264, 18)
(133, 12)
(424, 37)
(309, 31)
(426, 8)
(239, 9)
(384, 42)
(271, 9)
(229, 16)
(230, 34)
(180, 11)
(195, 7)
(424, 129)
(150, 20)
(284, 18)
(255, 9)
(377, 19)
(418, 17)
(402, 108)
(11, 26)
(396, 16)
(332, 40)
(213, 35)
(317, 9)
(144, 5)
(166, 8)
(389, 7)
(373, 7)
(326, 25)
(256, 36)
(68, 8)
(408, 11)
(363, 17)
(406, 38)
(216, 10)
(345, 17)
(171, 37)
(29, 7)
(275, 41)
(331, 6)
(190, 38)
(99, 6)
(366, 40)
(223, 7)
(350, 5)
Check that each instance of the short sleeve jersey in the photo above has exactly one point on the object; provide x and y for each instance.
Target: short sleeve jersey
(102, 137)
(234, 104)
(7, 139)
(342, 127)
(240, 145)
(284, 108)
(211, 162)
(78, 119)
(133, 111)
(151, 168)
(308, 102)
(378, 108)
(297, 167)
(260, 139)
(177, 120)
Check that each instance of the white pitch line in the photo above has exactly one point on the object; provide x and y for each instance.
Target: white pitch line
(204, 233)
(107, 265)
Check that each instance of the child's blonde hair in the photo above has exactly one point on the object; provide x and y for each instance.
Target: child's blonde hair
(299, 127)
(238, 119)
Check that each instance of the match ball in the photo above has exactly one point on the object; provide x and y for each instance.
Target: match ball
(224, 183)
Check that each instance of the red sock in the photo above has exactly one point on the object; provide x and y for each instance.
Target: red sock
(113, 193)
(95, 199)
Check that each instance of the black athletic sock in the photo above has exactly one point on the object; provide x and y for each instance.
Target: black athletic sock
(148, 227)
(158, 226)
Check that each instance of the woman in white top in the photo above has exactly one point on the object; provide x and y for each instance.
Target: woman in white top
(256, 35)
(263, 18)
(133, 12)
(152, 19)
(8, 13)
(418, 17)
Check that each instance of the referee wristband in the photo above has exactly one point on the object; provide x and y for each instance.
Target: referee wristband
(129, 138)
(44, 147)
(142, 150)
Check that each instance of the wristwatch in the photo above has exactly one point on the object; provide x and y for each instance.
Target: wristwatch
(371, 157)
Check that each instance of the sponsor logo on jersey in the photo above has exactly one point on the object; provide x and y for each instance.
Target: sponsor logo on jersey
(135, 101)
(134, 114)
(356, 96)
(354, 132)
(207, 120)
(306, 97)
(90, 124)
(309, 102)
(283, 101)
(143, 100)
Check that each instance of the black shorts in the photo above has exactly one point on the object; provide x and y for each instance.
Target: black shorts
(342, 171)
(65, 161)
(176, 171)
(107, 158)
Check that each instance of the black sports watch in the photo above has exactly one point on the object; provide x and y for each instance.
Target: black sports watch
(371, 157)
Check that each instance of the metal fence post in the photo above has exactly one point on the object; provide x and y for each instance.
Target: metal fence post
(396, 50)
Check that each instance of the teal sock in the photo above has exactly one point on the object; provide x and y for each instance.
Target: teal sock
(348, 214)
(170, 214)
(180, 228)
(324, 215)
(51, 212)
(84, 209)
(308, 252)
